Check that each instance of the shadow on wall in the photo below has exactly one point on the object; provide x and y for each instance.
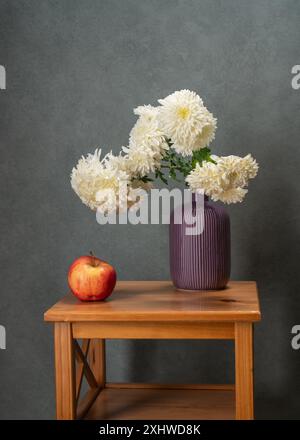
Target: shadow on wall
(184, 361)
(273, 256)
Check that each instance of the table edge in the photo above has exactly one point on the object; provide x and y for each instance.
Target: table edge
(207, 316)
(54, 315)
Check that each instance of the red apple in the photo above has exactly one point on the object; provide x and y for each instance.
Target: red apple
(91, 279)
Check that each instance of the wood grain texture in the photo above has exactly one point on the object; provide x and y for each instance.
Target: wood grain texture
(86, 367)
(170, 386)
(244, 370)
(157, 330)
(160, 301)
(97, 360)
(86, 402)
(64, 372)
(163, 404)
(80, 367)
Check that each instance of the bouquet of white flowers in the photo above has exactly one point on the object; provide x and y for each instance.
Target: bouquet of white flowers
(166, 140)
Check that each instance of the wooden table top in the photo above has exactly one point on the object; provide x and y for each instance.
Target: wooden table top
(160, 301)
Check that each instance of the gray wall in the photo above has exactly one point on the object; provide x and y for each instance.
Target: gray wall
(75, 70)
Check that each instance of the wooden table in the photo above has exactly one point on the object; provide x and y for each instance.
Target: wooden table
(152, 310)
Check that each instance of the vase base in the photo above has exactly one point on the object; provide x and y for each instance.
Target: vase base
(200, 290)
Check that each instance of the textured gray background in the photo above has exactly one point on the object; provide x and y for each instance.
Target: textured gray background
(75, 70)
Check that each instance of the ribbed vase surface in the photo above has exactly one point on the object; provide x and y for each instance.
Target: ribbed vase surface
(201, 262)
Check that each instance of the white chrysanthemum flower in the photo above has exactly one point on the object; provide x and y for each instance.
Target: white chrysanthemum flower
(85, 177)
(225, 180)
(237, 170)
(99, 185)
(116, 162)
(230, 195)
(186, 121)
(137, 193)
(249, 166)
(204, 178)
(141, 159)
(146, 132)
(147, 110)
(113, 193)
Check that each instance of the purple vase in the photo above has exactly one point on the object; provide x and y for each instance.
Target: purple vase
(202, 261)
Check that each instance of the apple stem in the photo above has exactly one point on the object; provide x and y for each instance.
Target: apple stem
(94, 258)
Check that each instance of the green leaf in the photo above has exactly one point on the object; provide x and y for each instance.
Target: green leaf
(176, 163)
(200, 156)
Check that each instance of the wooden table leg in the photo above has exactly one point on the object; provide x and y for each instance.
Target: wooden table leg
(244, 370)
(97, 360)
(64, 371)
